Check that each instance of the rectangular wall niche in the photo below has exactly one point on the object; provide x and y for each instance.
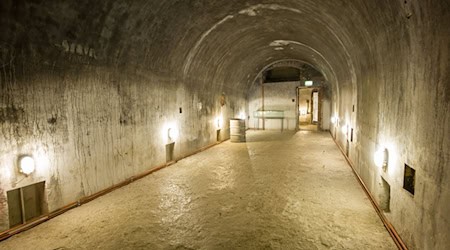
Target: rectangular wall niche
(409, 179)
(26, 203)
(385, 195)
(169, 151)
(218, 138)
(347, 148)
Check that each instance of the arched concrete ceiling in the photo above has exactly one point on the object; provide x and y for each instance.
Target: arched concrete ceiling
(225, 42)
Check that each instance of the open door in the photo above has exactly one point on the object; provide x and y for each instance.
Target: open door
(308, 108)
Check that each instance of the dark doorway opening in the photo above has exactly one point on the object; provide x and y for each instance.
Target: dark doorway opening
(308, 108)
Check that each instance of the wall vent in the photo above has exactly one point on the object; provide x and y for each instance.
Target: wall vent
(409, 179)
(218, 138)
(169, 152)
(26, 204)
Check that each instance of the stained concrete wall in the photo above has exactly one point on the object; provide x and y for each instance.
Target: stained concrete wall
(87, 87)
(96, 129)
(92, 118)
(402, 104)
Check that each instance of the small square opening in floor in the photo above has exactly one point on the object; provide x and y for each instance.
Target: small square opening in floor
(409, 179)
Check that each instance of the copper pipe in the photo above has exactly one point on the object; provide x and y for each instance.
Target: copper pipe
(23, 227)
(397, 239)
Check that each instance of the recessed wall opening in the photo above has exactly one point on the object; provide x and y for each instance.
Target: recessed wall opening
(26, 204)
(308, 108)
(385, 195)
(347, 147)
(282, 97)
(282, 74)
(218, 135)
(409, 179)
(169, 152)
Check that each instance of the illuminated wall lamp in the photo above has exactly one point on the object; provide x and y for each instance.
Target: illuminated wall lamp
(334, 119)
(26, 165)
(242, 116)
(219, 122)
(172, 134)
(380, 158)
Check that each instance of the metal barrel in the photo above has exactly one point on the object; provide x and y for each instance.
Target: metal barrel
(237, 130)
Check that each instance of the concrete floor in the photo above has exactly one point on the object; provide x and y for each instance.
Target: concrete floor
(277, 191)
(308, 127)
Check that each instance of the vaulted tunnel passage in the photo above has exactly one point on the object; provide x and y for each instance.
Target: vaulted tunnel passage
(94, 93)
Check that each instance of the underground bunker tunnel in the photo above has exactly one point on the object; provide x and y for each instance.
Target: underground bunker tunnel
(238, 124)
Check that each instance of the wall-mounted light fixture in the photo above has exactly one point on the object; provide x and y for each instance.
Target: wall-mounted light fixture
(334, 119)
(219, 122)
(169, 132)
(26, 165)
(172, 133)
(380, 158)
(242, 116)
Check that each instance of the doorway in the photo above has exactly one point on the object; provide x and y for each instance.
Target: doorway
(308, 108)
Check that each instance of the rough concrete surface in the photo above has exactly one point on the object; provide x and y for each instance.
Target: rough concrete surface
(89, 89)
(277, 191)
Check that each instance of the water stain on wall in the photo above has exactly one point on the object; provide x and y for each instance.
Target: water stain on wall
(11, 114)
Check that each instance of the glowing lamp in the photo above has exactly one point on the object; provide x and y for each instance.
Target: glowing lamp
(334, 119)
(172, 133)
(308, 83)
(242, 116)
(26, 165)
(380, 158)
(219, 122)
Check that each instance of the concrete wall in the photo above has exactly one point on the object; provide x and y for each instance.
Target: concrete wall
(92, 118)
(91, 129)
(326, 114)
(87, 89)
(402, 104)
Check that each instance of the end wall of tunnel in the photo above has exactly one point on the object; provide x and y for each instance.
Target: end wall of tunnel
(90, 89)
